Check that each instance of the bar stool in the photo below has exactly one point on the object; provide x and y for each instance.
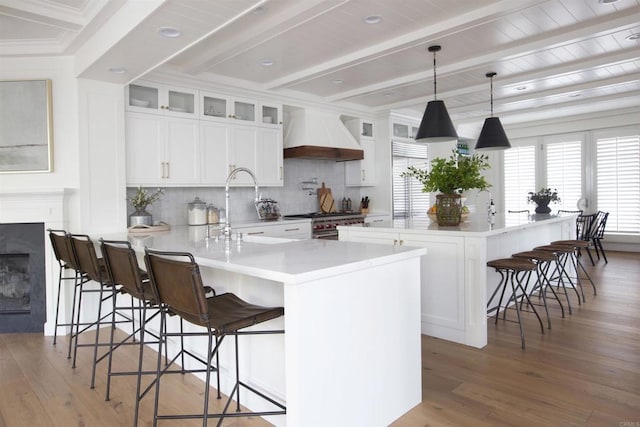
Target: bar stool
(576, 257)
(512, 271)
(95, 270)
(122, 268)
(177, 283)
(66, 261)
(543, 262)
(563, 253)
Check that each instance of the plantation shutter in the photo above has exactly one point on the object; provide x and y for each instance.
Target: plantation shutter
(618, 181)
(408, 198)
(519, 177)
(564, 172)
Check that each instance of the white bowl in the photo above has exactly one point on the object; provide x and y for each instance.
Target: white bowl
(138, 102)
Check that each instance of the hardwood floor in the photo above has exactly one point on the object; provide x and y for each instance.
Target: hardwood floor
(585, 371)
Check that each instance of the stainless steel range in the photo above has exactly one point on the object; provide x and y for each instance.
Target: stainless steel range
(324, 225)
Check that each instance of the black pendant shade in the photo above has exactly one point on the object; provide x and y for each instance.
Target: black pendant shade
(492, 135)
(436, 125)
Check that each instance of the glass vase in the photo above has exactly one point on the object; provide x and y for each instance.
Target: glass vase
(449, 209)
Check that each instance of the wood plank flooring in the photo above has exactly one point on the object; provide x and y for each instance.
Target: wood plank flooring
(585, 371)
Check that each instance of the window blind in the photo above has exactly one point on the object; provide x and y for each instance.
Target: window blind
(408, 198)
(519, 176)
(618, 182)
(564, 172)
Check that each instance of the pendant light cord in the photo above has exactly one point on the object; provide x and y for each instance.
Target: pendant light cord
(491, 96)
(435, 92)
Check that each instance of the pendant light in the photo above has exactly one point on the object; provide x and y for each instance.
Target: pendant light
(436, 125)
(492, 136)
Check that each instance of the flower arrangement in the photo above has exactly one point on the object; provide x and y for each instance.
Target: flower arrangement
(141, 199)
(453, 175)
(544, 196)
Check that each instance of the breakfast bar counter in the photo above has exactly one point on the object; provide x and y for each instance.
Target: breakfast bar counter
(455, 278)
(351, 350)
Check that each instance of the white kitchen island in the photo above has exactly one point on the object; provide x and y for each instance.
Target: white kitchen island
(350, 355)
(455, 278)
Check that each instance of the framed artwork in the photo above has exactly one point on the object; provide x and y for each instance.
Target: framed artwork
(26, 126)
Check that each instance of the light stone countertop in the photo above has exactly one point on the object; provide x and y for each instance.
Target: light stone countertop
(476, 226)
(282, 260)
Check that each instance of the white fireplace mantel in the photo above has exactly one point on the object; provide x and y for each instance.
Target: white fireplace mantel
(38, 205)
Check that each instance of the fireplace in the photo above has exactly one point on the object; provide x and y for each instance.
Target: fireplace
(41, 208)
(22, 278)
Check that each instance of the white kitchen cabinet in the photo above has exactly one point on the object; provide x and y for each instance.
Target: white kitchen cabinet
(360, 173)
(286, 229)
(270, 155)
(441, 306)
(151, 98)
(225, 147)
(162, 150)
(360, 129)
(271, 116)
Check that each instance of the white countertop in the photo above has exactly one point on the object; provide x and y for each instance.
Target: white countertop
(279, 260)
(475, 226)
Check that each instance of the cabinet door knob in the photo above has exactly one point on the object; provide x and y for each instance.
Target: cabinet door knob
(395, 242)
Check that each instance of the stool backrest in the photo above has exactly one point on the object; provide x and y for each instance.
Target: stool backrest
(599, 224)
(85, 254)
(122, 266)
(177, 283)
(584, 223)
(62, 248)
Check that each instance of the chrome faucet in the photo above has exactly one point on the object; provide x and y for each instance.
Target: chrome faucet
(491, 207)
(232, 174)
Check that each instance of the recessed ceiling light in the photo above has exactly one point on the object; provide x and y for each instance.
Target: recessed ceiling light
(266, 62)
(373, 19)
(634, 36)
(169, 32)
(259, 10)
(521, 88)
(117, 70)
(336, 81)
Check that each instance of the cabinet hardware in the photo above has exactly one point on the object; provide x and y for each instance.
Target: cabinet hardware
(168, 170)
(255, 232)
(281, 173)
(363, 175)
(162, 170)
(395, 242)
(291, 229)
(401, 242)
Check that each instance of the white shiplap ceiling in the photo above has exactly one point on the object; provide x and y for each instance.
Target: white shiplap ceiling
(553, 57)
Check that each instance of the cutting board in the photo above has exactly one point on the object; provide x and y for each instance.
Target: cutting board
(327, 204)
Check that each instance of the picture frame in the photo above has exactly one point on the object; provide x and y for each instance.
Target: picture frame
(26, 126)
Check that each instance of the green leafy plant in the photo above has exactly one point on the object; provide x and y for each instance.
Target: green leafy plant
(544, 196)
(453, 175)
(141, 199)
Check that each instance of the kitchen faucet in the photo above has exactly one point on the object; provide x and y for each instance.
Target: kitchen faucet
(491, 207)
(232, 174)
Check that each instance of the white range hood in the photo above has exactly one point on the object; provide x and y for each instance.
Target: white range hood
(314, 134)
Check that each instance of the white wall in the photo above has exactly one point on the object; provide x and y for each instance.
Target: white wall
(65, 173)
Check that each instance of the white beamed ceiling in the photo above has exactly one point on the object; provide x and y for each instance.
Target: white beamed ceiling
(572, 56)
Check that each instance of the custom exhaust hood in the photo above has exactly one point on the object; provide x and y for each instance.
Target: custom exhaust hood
(313, 134)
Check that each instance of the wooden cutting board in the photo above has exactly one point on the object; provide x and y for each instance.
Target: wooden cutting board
(327, 204)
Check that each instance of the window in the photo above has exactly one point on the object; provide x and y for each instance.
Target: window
(408, 198)
(519, 176)
(564, 172)
(618, 179)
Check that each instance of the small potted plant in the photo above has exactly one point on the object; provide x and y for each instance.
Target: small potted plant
(140, 200)
(451, 177)
(542, 199)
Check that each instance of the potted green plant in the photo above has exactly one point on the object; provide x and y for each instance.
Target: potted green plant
(140, 200)
(542, 199)
(451, 177)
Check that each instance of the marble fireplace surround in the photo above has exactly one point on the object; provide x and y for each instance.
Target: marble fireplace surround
(46, 206)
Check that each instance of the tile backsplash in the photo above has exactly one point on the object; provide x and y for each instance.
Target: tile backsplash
(292, 199)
